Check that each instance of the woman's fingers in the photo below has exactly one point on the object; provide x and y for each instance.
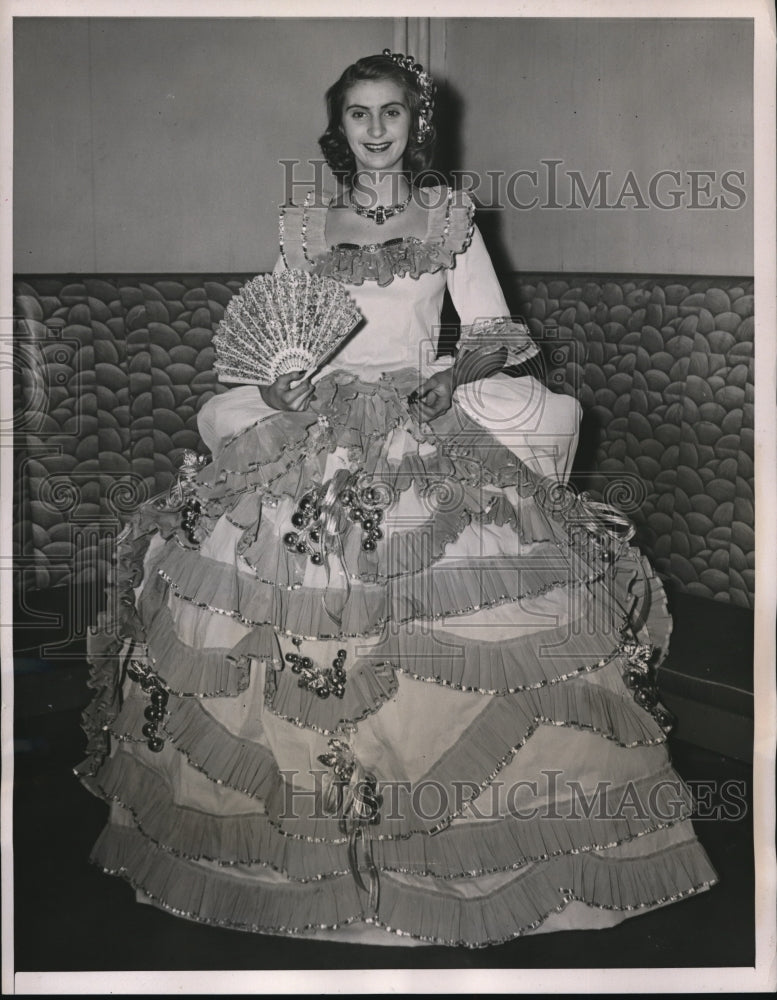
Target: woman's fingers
(298, 397)
(280, 395)
(293, 393)
(288, 382)
(302, 389)
(427, 405)
(429, 411)
(299, 402)
(416, 397)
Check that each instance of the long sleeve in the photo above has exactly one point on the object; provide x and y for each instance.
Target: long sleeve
(486, 324)
(229, 413)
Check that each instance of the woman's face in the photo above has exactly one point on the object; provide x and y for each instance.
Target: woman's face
(376, 123)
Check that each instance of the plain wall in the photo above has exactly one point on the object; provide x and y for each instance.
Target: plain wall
(619, 96)
(153, 145)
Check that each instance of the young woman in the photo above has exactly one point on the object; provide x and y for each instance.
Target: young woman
(391, 681)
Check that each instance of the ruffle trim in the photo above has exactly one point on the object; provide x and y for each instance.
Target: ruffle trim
(185, 670)
(225, 672)
(441, 591)
(506, 666)
(404, 551)
(104, 655)
(382, 262)
(449, 465)
(360, 416)
(485, 667)
(526, 901)
(288, 449)
(483, 749)
(367, 689)
(457, 469)
(489, 335)
(114, 636)
(465, 850)
(499, 732)
(520, 906)
(499, 667)
(449, 233)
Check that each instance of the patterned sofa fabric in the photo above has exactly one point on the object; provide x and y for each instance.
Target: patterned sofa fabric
(664, 370)
(111, 373)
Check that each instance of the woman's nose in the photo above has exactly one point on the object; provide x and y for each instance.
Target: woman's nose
(377, 127)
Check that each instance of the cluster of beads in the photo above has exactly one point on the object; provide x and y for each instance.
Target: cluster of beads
(190, 515)
(181, 497)
(365, 507)
(307, 519)
(321, 682)
(155, 712)
(639, 680)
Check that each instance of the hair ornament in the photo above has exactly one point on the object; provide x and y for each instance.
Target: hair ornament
(426, 86)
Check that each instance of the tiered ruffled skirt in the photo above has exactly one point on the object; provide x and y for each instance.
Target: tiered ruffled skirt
(495, 764)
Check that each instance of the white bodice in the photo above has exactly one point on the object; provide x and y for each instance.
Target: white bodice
(399, 288)
(400, 328)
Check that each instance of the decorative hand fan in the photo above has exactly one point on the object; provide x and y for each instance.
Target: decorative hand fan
(285, 322)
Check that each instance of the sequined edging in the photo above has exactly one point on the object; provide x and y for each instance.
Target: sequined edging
(382, 622)
(538, 923)
(343, 726)
(305, 929)
(447, 876)
(482, 785)
(501, 692)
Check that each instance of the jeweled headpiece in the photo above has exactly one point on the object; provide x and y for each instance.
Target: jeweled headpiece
(426, 86)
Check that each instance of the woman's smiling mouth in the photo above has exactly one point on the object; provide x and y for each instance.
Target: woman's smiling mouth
(376, 147)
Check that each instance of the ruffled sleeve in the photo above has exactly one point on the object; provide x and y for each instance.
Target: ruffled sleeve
(486, 324)
(487, 335)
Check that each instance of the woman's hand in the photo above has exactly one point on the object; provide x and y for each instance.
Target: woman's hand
(433, 398)
(281, 396)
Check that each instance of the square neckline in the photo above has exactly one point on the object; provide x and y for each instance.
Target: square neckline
(449, 231)
(396, 240)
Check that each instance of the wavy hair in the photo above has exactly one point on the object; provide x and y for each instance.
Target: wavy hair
(419, 152)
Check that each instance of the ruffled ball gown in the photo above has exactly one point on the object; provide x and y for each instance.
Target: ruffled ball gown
(432, 719)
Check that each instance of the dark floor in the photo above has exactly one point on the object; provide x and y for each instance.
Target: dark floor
(70, 917)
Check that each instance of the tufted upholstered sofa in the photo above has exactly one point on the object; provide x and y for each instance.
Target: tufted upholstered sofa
(664, 370)
(112, 372)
